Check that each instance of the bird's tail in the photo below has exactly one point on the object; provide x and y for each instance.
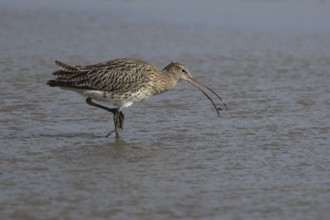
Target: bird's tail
(66, 72)
(65, 67)
(52, 83)
(68, 76)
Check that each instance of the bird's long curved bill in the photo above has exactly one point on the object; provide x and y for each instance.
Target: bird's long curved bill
(198, 85)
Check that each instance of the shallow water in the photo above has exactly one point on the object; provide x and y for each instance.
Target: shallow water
(267, 157)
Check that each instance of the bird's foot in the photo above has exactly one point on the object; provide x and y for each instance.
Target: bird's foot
(114, 130)
(109, 133)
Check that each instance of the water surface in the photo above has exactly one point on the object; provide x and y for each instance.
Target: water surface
(267, 157)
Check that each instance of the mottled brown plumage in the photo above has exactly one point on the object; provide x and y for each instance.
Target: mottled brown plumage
(122, 82)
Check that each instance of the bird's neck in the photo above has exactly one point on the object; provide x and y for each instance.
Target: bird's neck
(165, 81)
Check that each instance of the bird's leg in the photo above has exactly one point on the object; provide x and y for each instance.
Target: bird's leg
(118, 118)
(113, 110)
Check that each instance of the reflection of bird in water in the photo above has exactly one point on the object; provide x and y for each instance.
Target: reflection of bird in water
(123, 82)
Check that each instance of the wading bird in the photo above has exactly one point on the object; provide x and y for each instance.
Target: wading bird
(122, 82)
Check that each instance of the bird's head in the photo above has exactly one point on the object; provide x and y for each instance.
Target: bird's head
(181, 72)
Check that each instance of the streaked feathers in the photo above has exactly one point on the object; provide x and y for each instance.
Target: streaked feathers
(120, 75)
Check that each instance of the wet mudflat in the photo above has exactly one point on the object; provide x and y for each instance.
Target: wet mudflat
(266, 157)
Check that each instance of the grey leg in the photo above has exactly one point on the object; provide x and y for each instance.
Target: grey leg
(118, 116)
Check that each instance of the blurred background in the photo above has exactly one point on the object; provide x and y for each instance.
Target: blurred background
(267, 157)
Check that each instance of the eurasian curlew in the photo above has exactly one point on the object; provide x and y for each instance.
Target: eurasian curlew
(122, 82)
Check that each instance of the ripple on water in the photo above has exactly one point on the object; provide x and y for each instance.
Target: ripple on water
(266, 157)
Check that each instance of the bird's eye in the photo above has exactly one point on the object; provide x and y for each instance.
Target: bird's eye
(183, 70)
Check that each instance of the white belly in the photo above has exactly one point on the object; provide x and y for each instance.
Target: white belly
(119, 102)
